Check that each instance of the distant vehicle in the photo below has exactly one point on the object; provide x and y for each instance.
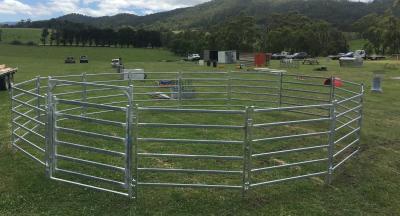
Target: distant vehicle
(193, 57)
(116, 62)
(70, 60)
(336, 57)
(376, 57)
(279, 56)
(360, 54)
(300, 55)
(83, 59)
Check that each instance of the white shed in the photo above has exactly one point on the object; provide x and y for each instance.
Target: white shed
(227, 57)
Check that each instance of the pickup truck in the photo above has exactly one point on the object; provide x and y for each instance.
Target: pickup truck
(6, 77)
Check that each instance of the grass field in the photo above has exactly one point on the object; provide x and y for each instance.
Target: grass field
(21, 34)
(367, 185)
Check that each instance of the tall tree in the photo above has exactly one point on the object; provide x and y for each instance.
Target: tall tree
(45, 34)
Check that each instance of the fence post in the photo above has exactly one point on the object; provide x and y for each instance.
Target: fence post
(37, 85)
(84, 94)
(128, 143)
(180, 89)
(359, 122)
(135, 149)
(280, 88)
(331, 141)
(247, 149)
(49, 129)
(12, 119)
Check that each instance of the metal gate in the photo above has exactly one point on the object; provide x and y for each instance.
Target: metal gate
(73, 143)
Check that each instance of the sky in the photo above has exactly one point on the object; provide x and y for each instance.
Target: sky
(15, 10)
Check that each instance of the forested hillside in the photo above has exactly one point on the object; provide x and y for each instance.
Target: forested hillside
(340, 13)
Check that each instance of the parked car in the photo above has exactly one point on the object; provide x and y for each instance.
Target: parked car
(116, 62)
(69, 60)
(279, 56)
(83, 59)
(299, 55)
(336, 57)
(193, 57)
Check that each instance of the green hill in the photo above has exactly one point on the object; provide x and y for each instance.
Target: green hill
(341, 13)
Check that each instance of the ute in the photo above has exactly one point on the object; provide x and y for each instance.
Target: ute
(83, 59)
(69, 60)
(193, 57)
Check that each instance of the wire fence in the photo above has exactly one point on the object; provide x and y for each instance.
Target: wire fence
(230, 130)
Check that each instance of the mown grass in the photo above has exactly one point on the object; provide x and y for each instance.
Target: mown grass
(367, 185)
(21, 34)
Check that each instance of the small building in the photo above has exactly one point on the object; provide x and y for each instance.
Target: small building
(227, 57)
(210, 56)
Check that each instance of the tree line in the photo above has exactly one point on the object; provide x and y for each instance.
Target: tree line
(291, 32)
(81, 35)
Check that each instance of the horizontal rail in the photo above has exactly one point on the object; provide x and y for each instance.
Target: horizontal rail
(347, 123)
(90, 134)
(192, 110)
(90, 176)
(305, 98)
(189, 171)
(252, 86)
(290, 122)
(288, 165)
(28, 117)
(95, 120)
(152, 125)
(70, 83)
(346, 90)
(24, 82)
(90, 186)
(89, 148)
(345, 159)
(29, 105)
(306, 91)
(349, 110)
(29, 155)
(89, 162)
(347, 135)
(350, 98)
(210, 157)
(28, 92)
(105, 96)
(292, 136)
(28, 129)
(250, 93)
(288, 179)
(189, 141)
(307, 84)
(189, 185)
(292, 108)
(288, 151)
(346, 147)
(29, 142)
(94, 105)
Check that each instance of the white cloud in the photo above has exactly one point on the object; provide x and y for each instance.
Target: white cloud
(91, 7)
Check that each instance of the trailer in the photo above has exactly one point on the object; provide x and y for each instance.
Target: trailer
(6, 77)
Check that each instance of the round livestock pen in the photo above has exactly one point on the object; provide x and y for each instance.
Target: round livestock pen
(234, 130)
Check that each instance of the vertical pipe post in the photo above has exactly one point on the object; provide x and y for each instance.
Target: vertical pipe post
(128, 142)
(12, 117)
(361, 115)
(332, 97)
(49, 129)
(135, 149)
(84, 94)
(280, 88)
(331, 141)
(247, 149)
(37, 85)
(54, 151)
(180, 88)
